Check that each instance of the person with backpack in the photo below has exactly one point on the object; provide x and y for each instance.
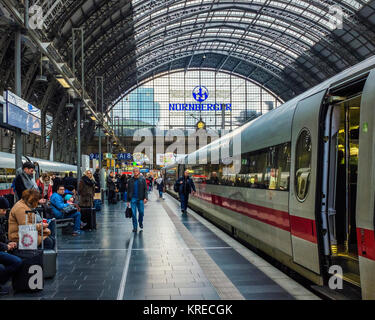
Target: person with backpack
(184, 186)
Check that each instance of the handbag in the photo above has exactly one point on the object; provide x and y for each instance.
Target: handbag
(28, 236)
(128, 212)
(69, 209)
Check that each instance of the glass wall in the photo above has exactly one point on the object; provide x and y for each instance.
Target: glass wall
(182, 99)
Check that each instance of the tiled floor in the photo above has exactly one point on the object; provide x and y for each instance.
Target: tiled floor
(160, 263)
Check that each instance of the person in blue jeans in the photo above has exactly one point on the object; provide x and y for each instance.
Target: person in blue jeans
(137, 198)
(184, 186)
(9, 263)
(57, 204)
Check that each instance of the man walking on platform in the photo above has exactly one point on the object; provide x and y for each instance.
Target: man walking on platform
(184, 186)
(137, 197)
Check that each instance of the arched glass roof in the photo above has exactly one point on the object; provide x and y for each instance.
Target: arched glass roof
(287, 46)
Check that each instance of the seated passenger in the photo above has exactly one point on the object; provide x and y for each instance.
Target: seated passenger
(17, 217)
(57, 204)
(9, 264)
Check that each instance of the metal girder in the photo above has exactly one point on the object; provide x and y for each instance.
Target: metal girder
(164, 21)
(26, 81)
(4, 44)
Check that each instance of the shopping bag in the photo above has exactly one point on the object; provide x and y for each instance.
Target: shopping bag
(28, 236)
(128, 212)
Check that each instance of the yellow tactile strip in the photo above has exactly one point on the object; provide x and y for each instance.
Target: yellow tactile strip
(223, 286)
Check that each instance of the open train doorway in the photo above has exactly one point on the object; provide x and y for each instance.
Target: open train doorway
(341, 159)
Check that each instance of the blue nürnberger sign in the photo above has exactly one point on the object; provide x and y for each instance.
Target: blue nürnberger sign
(200, 94)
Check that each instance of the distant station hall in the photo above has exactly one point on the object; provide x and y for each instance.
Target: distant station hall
(187, 150)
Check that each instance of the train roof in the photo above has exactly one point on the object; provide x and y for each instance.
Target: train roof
(7, 161)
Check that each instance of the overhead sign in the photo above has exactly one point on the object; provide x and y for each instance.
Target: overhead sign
(124, 156)
(21, 114)
(95, 156)
(200, 95)
(108, 155)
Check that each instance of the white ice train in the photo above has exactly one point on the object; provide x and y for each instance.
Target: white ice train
(8, 171)
(305, 192)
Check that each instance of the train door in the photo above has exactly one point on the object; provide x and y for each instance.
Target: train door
(365, 192)
(302, 196)
(340, 177)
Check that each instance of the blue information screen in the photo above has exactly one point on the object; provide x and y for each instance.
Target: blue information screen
(21, 114)
(23, 120)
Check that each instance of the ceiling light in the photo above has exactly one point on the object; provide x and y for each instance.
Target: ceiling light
(93, 118)
(63, 82)
(41, 78)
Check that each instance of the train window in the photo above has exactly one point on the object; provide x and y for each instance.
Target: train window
(283, 166)
(303, 164)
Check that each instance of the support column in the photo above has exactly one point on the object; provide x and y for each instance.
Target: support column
(79, 104)
(18, 91)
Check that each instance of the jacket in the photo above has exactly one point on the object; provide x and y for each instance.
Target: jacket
(86, 191)
(40, 185)
(57, 203)
(97, 180)
(70, 181)
(160, 186)
(142, 189)
(179, 185)
(111, 184)
(17, 217)
(3, 235)
(123, 183)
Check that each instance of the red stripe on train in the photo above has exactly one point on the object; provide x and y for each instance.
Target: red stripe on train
(299, 227)
(366, 243)
(303, 228)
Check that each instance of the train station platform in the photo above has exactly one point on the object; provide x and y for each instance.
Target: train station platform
(175, 257)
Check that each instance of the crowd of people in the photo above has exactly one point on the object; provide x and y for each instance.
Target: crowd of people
(56, 197)
(61, 198)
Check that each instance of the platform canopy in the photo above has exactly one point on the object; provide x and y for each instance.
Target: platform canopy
(285, 45)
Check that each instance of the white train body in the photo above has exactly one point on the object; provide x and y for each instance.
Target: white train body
(305, 192)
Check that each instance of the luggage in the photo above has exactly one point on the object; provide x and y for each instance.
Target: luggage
(128, 212)
(30, 276)
(88, 215)
(26, 279)
(49, 263)
(98, 205)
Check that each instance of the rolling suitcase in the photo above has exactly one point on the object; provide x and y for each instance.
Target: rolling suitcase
(98, 205)
(88, 215)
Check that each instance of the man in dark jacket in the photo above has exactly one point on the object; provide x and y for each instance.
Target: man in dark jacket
(137, 197)
(25, 180)
(9, 264)
(184, 186)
